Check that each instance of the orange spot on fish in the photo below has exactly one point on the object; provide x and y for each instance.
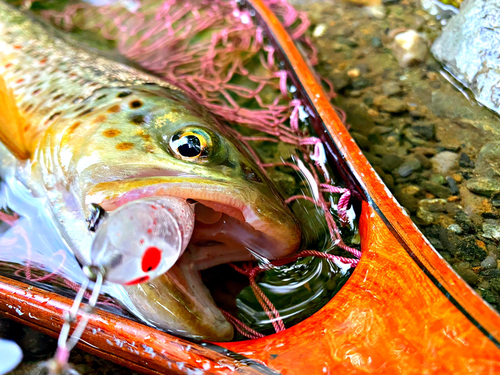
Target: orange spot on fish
(73, 127)
(27, 127)
(17, 46)
(7, 66)
(141, 241)
(150, 230)
(43, 61)
(99, 119)
(114, 109)
(124, 146)
(110, 133)
(149, 149)
(21, 80)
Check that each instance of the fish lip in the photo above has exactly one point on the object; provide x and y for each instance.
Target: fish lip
(279, 227)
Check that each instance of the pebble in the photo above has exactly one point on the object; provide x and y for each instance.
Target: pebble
(376, 42)
(410, 47)
(319, 30)
(465, 161)
(391, 162)
(455, 228)
(491, 229)
(393, 105)
(444, 162)
(495, 200)
(391, 88)
(484, 186)
(453, 185)
(436, 189)
(489, 262)
(437, 179)
(425, 130)
(409, 166)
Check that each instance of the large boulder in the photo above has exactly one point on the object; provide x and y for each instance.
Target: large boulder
(469, 47)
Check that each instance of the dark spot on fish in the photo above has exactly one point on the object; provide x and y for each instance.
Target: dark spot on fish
(28, 108)
(249, 173)
(174, 110)
(101, 97)
(58, 96)
(137, 119)
(36, 91)
(114, 109)
(123, 94)
(86, 112)
(110, 133)
(124, 146)
(146, 137)
(135, 104)
(53, 117)
(54, 71)
(149, 149)
(53, 92)
(73, 75)
(77, 100)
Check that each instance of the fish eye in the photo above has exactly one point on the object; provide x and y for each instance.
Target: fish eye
(191, 145)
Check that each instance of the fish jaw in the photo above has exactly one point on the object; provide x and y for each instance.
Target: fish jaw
(273, 231)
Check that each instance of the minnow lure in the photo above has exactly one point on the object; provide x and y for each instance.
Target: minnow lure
(87, 130)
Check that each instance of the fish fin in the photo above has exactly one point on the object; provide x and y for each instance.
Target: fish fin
(12, 123)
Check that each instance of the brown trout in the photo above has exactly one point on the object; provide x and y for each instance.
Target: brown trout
(86, 129)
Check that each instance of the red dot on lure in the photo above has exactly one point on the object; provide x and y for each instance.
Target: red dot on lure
(138, 280)
(151, 259)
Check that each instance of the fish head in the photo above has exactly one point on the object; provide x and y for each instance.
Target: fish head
(124, 144)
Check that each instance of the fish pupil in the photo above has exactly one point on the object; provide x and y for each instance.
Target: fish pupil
(189, 146)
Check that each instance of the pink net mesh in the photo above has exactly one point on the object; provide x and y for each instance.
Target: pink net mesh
(214, 50)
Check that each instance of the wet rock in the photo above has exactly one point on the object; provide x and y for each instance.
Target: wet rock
(437, 179)
(488, 160)
(361, 83)
(340, 81)
(436, 189)
(390, 162)
(376, 42)
(426, 163)
(391, 88)
(410, 47)
(410, 165)
(465, 161)
(463, 269)
(484, 186)
(489, 262)
(424, 130)
(453, 185)
(444, 162)
(495, 200)
(491, 229)
(455, 228)
(391, 105)
(469, 250)
(469, 47)
(361, 140)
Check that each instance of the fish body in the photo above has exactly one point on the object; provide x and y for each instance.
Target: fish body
(86, 130)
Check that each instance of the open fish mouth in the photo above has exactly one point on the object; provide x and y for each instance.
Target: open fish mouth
(231, 224)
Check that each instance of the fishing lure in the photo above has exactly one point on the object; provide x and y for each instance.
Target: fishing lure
(137, 242)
